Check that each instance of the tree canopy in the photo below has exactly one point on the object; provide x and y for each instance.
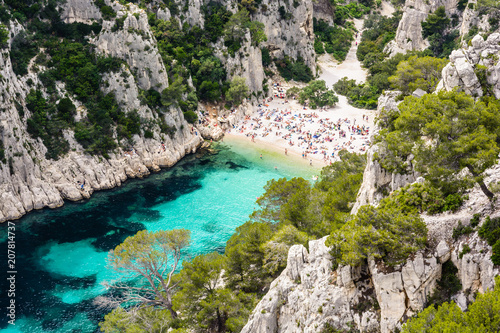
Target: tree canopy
(418, 72)
(378, 233)
(238, 90)
(318, 95)
(445, 132)
(147, 262)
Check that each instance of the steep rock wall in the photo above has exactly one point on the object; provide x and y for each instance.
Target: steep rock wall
(309, 294)
(409, 33)
(29, 181)
(135, 44)
(294, 36)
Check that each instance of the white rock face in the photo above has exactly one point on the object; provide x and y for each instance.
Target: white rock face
(308, 294)
(247, 63)
(135, 44)
(461, 70)
(82, 11)
(409, 32)
(295, 36)
(29, 181)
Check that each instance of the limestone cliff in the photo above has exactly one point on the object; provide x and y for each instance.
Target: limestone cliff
(29, 181)
(475, 69)
(409, 32)
(309, 296)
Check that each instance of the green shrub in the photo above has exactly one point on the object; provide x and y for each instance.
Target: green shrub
(293, 70)
(448, 285)
(337, 40)
(4, 36)
(461, 230)
(119, 23)
(465, 249)
(490, 230)
(23, 49)
(385, 233)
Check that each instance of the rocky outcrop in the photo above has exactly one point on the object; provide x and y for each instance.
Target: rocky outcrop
(409, 33)
(82, 11)
(134, 43)
(466, 64)
(293, 36)
(29, 181)
(378, 182)
(323, 10)
(309, 295)
(246, 63)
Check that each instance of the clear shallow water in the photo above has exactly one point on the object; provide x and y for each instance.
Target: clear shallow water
(61, 254)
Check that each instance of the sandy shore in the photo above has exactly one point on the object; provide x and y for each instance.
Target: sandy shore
(312, 135)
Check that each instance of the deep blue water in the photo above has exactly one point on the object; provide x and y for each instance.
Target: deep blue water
(61, 254)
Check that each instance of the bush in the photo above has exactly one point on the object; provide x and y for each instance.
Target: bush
(337, 40)
(384, 233)
(22, 50)
(461, 230)
(4, 36)
(448, 285)
(490, 231)
(293, 70)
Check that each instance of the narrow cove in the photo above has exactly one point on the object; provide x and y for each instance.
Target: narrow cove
(61, 254)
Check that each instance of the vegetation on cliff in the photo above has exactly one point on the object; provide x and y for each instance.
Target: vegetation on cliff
(216, 292)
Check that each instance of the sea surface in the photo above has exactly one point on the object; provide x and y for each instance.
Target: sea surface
(61, 253)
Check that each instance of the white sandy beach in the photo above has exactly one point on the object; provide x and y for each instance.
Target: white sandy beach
(318, 134)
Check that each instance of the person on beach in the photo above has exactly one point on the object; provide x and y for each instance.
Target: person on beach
(286, 151)
(260, 156)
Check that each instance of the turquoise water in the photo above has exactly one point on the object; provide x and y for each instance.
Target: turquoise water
(61, 254)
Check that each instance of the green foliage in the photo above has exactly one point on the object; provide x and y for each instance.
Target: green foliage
(317, 94)
(490, 231)
(237, 91)
(384, 233)
(359, 95)
(293, 70)
(245, 257)
(204, 302)
(284, 15)
(266, 57)
(448, 285)
(4, 36)
(351, 10)
(47, 124)
(119, 23)
(482, 316)
(106, 11)
(2, 152)
(136, 321)
(23, 49)
(151, 258)
(461, 230)
(434, 29)
(465, 249)
(418, 72)
(464, 134)
(419, 198)
(337, 40)
(276, 249)
(257, 32)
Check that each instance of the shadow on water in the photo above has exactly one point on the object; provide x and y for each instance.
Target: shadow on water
(103, 220)
(86, 230)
